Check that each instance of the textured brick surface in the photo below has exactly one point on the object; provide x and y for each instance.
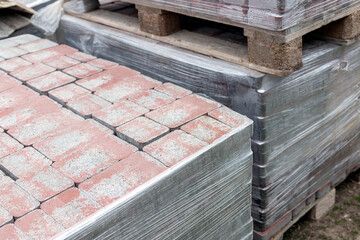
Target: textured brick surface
(82, 70)
(49, 53)
(28, 72)
(37, 45)
(50, 81)
(65, 93)
(13, 63)
(5, 216)
(87, 104)
(60, 62)
(8, 145)
(11, 232)
(228, 116)
(151, 99)
(173, 90)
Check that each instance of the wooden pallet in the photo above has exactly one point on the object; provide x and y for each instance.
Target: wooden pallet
(276, 53)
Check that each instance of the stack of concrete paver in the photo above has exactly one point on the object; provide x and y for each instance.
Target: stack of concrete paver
(94, 150)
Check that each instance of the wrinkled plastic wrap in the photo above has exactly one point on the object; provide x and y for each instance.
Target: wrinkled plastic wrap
(269, 14)
(306, 125)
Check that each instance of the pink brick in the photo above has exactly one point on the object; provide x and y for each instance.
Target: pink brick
(103, 152)
(61, 62)
(114, 74)
(8, 145)
(67, 92)
(122, 177)
(102, 63)
(14, 63)
(182, 111)
(173, 90)
(7, 82)
(141, 131)
(87, 104)
(174, 147)
(38, 225)
(117, 90)
(49, 53)
(11, 52)
(14, 41)
(206, 128)
(14, 96)
(24, 163)
(229, 117)
(82, 70)
(119, 113)
(14, 199)
(26, 73)
(70, 207)
(80, 56)
(37, 45)
(45, 184)
(151, 99)
(5, 216)
(50, 81)
(11, 232)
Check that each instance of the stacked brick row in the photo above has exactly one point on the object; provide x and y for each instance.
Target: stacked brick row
(79, 133)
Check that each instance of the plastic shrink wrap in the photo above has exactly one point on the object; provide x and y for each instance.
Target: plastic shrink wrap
(306, 125)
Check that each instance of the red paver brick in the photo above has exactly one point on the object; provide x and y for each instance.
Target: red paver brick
(103, 152)
(173, 90)
(82, 57)
(61, 62)
(82, 70)
(26, 73)
(49, 53)
(114, 74)
(228, 116)
(15, 96)
(70, 207)
(119, 113)
(11, 52)
(67, 92)
(87, 104)
(141, 131)
(7, 82)
(206, 128)
(151, 99)
(14, 199)
(174, 147)
(24, 163)
(117, 90)
(50, 81)
(13, 63)
(102, 63)
(14, 41)
(8, 145)
(182, 111)
(38, 225)
(45, 184)
(11, 232)
(122, 177)
(5, 216)
(37, 45)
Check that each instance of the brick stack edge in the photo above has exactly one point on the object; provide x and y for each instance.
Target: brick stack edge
(79, 133)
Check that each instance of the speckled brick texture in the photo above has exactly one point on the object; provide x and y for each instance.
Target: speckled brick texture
(78, 133)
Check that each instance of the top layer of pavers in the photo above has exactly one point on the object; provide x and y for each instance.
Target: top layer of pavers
(78, 132)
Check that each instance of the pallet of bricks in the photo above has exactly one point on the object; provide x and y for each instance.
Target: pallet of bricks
(302, 93)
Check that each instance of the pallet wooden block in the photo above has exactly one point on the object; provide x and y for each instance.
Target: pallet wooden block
(324, 205)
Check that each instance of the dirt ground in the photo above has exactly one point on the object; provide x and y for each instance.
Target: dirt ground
(342, 223)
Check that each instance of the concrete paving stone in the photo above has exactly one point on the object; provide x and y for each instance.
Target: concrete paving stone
(61, 62)
(151, 99)
(122, 177)
(38, 225)
(7, 82)
(174, 147)
(102, 63)
(14, 41)
(24, 163)
(8, 145)
(82, 70)
(108, 76)
(206, 129)
(82, 57)
(50, 81)
(13, 63)
(119, 113)
(49, 53)
(15, 96)
(115, 91)
(228, 116)
(141, 131)
(182, 111)
(86, 104)
(11, 232)
(26, 73)
(37, 45)
(45, 183)
(11, 52)
(70, 207)
(104, 151)
(67, 92)
(14, 199)
(5, 216)
(173, 90)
